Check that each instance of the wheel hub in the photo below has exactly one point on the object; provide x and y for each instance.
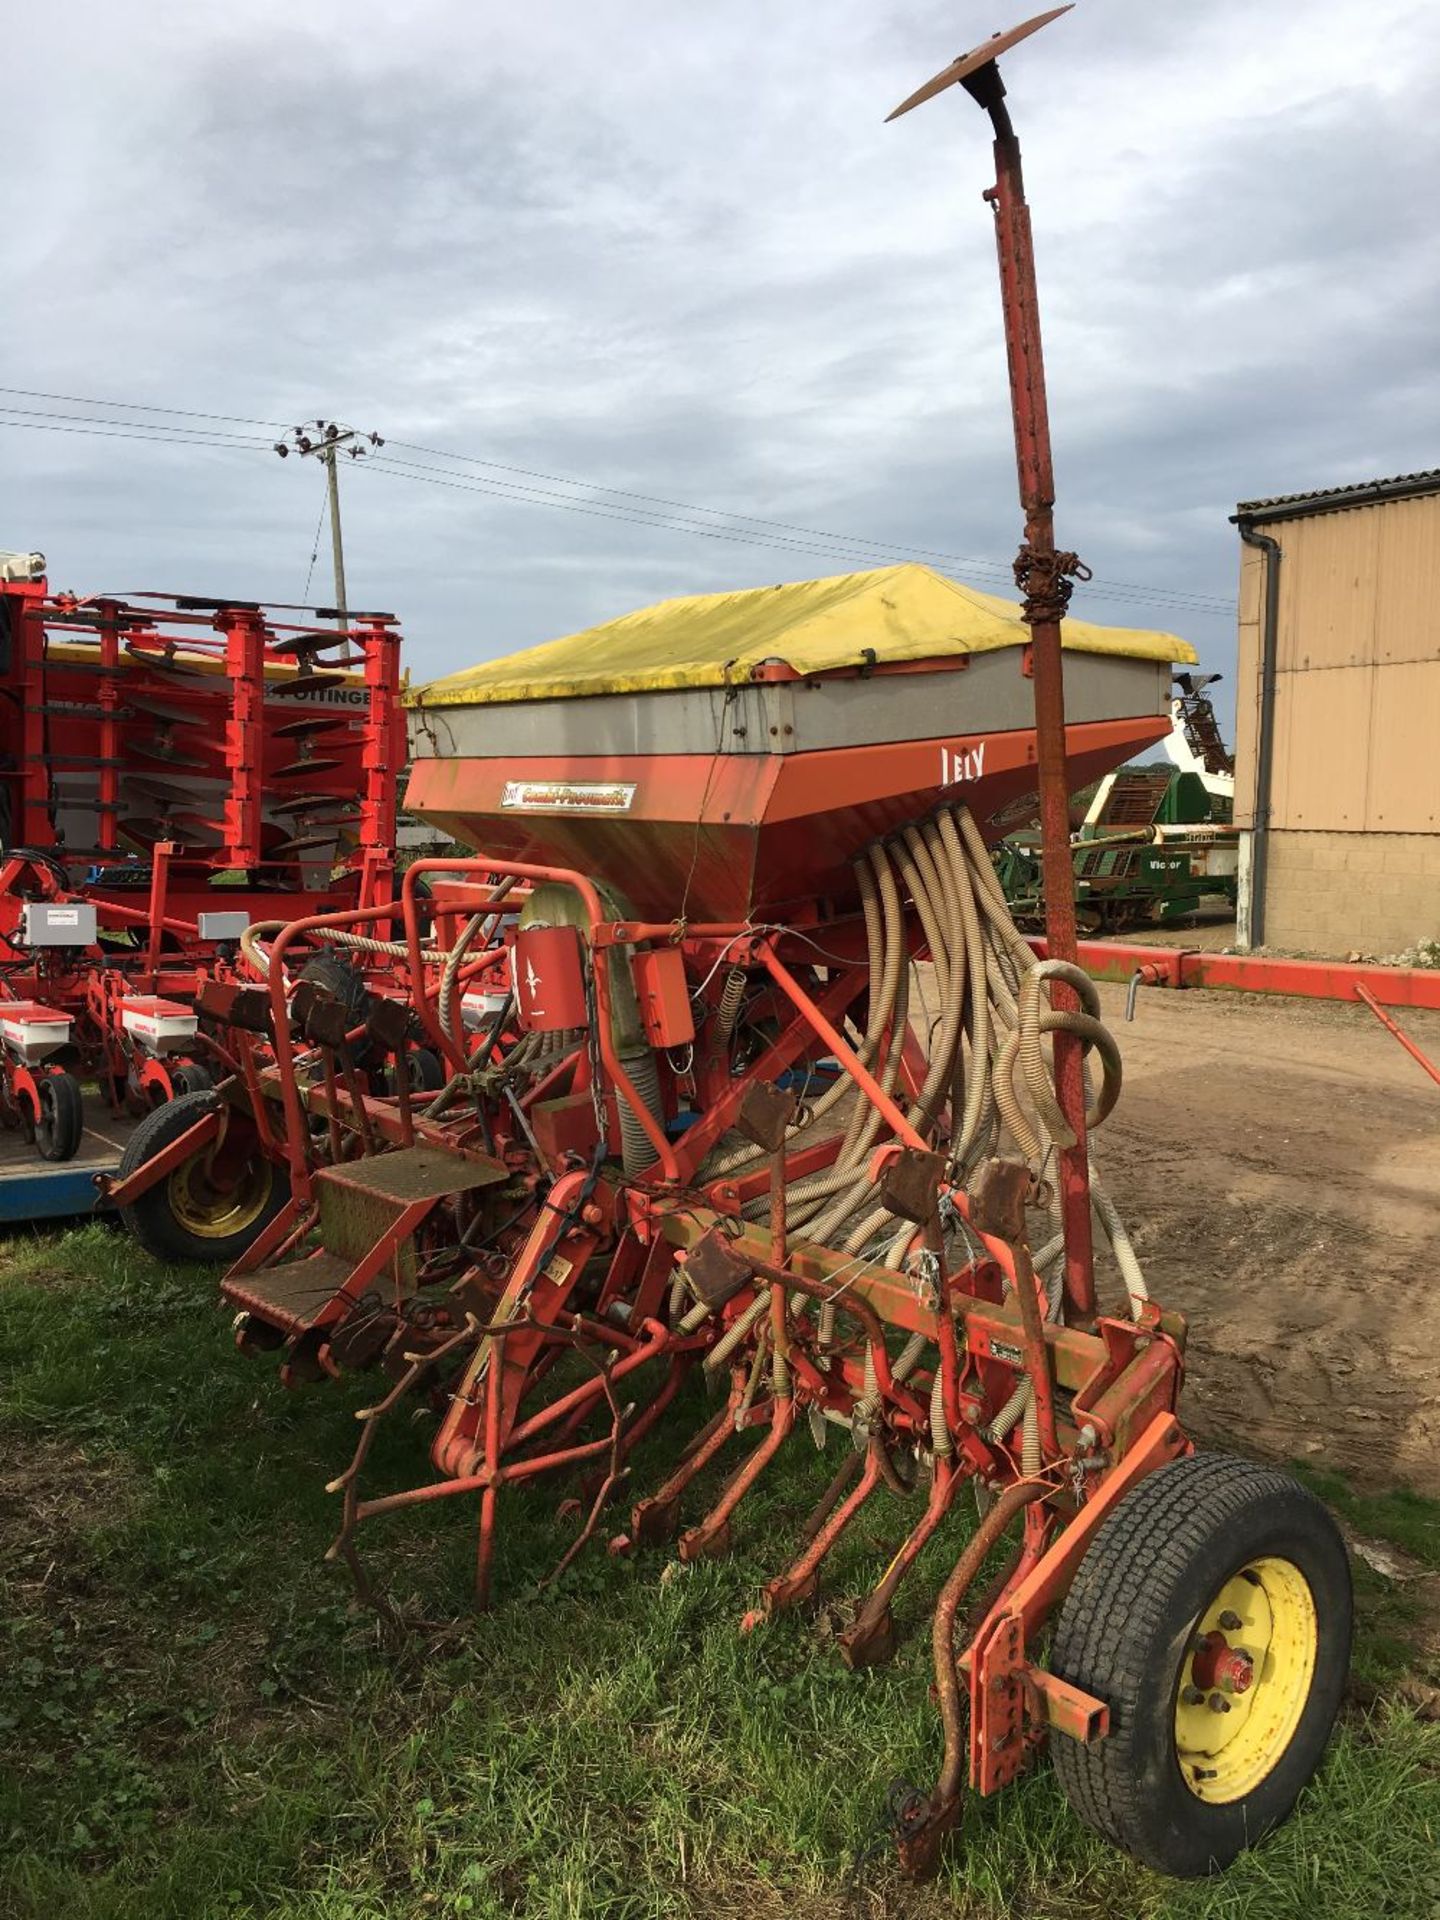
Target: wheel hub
(1245, 1680)
(215, 1209)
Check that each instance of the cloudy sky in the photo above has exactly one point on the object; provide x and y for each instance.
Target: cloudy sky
(672, 252)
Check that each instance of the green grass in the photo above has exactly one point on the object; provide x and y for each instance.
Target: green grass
(196, 1720)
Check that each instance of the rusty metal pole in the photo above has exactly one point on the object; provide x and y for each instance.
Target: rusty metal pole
(1044, 577)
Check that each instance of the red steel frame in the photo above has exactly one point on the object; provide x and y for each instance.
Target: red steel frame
(1256, 973)
(93, 691)
(1122, 1377)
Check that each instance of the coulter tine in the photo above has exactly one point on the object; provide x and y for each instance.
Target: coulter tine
(654, 1521)
(712, 1537)
(801, 1580)
(870, 1639)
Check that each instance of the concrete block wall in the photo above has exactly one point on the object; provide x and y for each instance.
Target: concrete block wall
(1332, 893)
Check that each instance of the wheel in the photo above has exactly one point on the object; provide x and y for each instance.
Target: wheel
(191, 1077)
(62, 1116)
(333, 971)
(427, 1075)
(184, 1216)
(1212, 1613)
(337, 975)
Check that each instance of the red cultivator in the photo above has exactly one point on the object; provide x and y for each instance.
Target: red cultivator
(747, 1073)
(170, 771)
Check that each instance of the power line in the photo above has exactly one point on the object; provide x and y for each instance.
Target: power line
(157, 438)
(532, 496)
(746, 519)
(821, 545)
(775, 534)
(140, 406)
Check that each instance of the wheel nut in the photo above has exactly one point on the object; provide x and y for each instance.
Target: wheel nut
(1191, 1696)
(1230, 1620)
(1219, 1704)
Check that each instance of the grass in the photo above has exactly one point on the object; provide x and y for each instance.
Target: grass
(197, 1722)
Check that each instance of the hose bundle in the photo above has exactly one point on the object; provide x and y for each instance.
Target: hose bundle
(986, 1066)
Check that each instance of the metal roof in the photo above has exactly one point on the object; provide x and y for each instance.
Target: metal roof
(1363, 493)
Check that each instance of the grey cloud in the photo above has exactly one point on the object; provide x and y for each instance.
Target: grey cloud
(677, 252)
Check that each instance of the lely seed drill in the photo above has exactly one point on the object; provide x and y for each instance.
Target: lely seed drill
(747, 1074)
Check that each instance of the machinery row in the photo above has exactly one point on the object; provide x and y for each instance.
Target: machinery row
(172, 771)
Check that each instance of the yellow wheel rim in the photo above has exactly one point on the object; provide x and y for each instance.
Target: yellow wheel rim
(210, 1214)
(1244, 1680)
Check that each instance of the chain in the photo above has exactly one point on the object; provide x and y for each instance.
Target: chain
(1046, 582)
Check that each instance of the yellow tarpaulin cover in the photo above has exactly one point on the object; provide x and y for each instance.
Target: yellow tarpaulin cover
(903, 613)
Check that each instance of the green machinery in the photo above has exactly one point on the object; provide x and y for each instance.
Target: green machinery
(1155, 844)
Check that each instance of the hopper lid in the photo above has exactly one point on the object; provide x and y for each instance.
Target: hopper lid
(887, 615)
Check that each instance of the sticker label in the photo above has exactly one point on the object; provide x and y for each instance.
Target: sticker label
(569, 796)
(999, 1350)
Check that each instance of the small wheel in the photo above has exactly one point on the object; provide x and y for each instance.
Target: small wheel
(62, 1116)
(191, 1077)
(1212, 1613)
(185, 1216)
(337, 974)
(427, 1075)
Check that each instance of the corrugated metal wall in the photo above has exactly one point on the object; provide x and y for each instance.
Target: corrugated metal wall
(1357, 705)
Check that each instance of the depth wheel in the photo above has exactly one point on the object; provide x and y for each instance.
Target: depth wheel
(423, 1068)
(191, 1077)
(1212, 1613)
(61, 1120)
(186, 1216)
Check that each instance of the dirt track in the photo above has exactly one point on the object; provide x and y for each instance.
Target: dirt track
(1278, 1162)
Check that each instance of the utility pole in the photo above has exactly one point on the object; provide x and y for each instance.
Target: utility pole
(325, 440)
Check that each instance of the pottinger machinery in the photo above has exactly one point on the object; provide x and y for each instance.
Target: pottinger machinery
(170, 770)
(748, 1074)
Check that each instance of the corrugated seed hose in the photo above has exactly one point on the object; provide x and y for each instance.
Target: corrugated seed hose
(986, 1062)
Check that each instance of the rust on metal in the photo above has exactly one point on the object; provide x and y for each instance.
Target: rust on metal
(999, 1192)
(713, 1273)
(765, 1114)
(970, 63)
(910, 1183)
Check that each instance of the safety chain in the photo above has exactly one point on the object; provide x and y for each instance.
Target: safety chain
(903, 1815)
(1046, 580)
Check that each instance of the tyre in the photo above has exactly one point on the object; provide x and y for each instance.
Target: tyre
(184, 1217)
(190, 1077)
(1212, 1613)
(426, 1073)
(61, 1120)
(337, 975)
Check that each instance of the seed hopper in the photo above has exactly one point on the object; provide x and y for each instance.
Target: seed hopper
(748, 1076)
